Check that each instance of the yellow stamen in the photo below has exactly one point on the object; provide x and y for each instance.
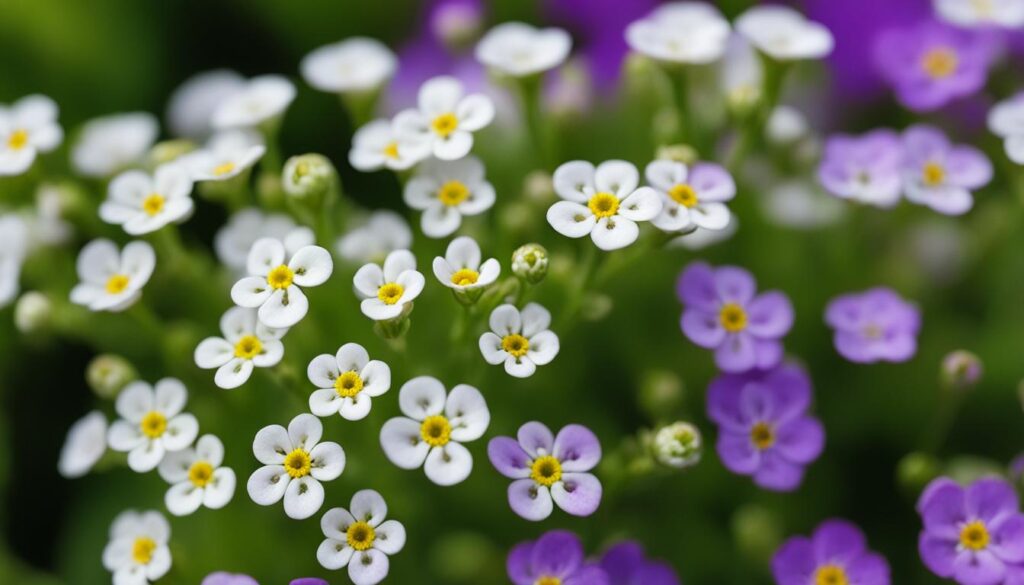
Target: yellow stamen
(546, 580)
(390, 293)
(436, 431)
(143, 549)
(391, 150)
(516, 345)
(683, 194)
(280, 277)
(445, 124)
(546, 470)
(762, 435)
(200, 474)
(603, 204)
(974, 536)
(153, 424)
(452, 193)
(933, 174)
(117, 283)
(223, 169)
(348, 384)
(153, 204)
(940, 62)
(360, 535)
(17, 140)
(830, 575)
(248, 347)
(297, 463)
(465, 277)
(733, 317)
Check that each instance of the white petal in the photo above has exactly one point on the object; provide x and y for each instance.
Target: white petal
(220, 490)
(334, 524)
(574, 180)
(267, 484)
(138, 261)
(181, 431)
(234, 373)
(183, 498)
(614, 233)
(303, 498)
(159, 564)
(124, 436)
(535, 319)
(379, 310)
(284, 308)
(376, 378)
(543, 348)
(421, 397)
(368, 279)
(174, 467)
(448, 465)
(97, 261)
(251, 291)
(323, 370)
(312, 266)
(506, 320)
(467, 411)
(618, 177)
(272, 353)
(356, 407)
(146, 456)
(327, 460)
(463, 252)
(390, 537)
(209, 448)
(265, 255)
(395, 264)
(324, 402)
(305, 431)
(522, 367)
(135, 401)
(665, 174)
(455, 146)
(412, 284)
(439, 220)
(170, 396)
(474, 112)
(271, 445)
(440, 95)
(402, 443)
(712, 216)
(490, 347)
(368, 567)
(644, 204)
(351, 357)
(334, 554)
(213, 352)
(369, 506)
(571, 219)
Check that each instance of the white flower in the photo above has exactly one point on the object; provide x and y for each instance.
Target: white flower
(678, 445)
(981, 13)
(691, 196)
(519, 339)
(152, 422)
(373, 239)
(357, 64)
(800, 204)
(262, 99)
(190, 109)
(347, 382)
(445, 118)
(460, 268)
(786, 125)
(784, 34)
(112, 143)
(85, 444)
(701, 238)
(433, 429)
(233, 241)
(112, 280)
(246, 344)
(273, 286)
(518, 49)
(604, 203)
(376, 145)
(14, 242)
(360, 538)
(294, 464)
(224, 156)
(197, 477)
(387, 290)
(137, 552)
(27, 128)
(447, 190)
(1006, 120)
(47, 226)
(142, 203)
(741, 73)
(681, 32)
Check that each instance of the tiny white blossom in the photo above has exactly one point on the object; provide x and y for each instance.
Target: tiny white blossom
(262, 100)
(14, 245)
(85, 444)
(445, 118)
(27, 127)
(234, 240)
(1006, 120)
(224, 156)
(360, 538)
(113, 143)
(137, 552)
(519, 339)
(190, 109)
(358, 64)
(197, 477)
(246, 344)
(692, 196)
(112, 280)
(681, 32)
(274, 286)
(376, 145)
(152, 423)
(387, 289)
(518, 49)
(460, 268)
(784, 34)
(47, 227)
(981, 13)
(374, 238)
(142, 203)
(447, 190)
(347, 382)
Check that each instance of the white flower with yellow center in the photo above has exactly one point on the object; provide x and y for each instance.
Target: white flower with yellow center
(445, 118)
(376, 145)
(152, 422)
(447, 190)
(14, 243)
(141, 203)
(27, 128)
(358, 64)
(346, 382)
(518, 49)
(225, 155)
(85, 444)
(681, 32)
(374, 237)
(113, 143)
(273, 285)
(604, 203)
(519, 339)
(197, 477)
(190, 109)
(433, 429)
(137, 552)
(112, 280)
(294, 464)
(233, 241)
(261, 100)
(691, 196)
(387, 289)
(784, 34)
(981, 13)
(360, 538)
(460, 268)
(246, 344)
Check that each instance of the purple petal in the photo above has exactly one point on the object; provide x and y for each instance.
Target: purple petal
(558, 553)
(735, 285)
(1014, 575)
(758, 402)
(987, 499)
(854, 347)
(791, 391)
(621, 560)
(845, 312)
(838, 540)
(769, 353)
(1008, 539)
(578, 494)
(800, 441)
(737, 453)
(588, 575)
(968, 167)
(778, 474)
(518, 564)
(868, 569)
(656, 573)
(702, 328)
(529, 500)
(736, 354)
(535, 438)
(508, 457)
(794, 563)
(712, 182)
(944, 511)
(937, 553)
(979, 568)
(696, 287)
(770, 315)
(931, 489)
(577, 448)
(723, 402)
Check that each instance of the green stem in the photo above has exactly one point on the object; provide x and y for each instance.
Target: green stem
(753, 128)
(585, 275)
(530, 94)
(680, 94)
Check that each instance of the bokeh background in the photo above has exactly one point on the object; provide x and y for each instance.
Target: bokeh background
(967, 275)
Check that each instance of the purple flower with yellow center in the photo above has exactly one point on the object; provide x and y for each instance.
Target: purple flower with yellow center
(939, 174)
(973, 535)
(874, 325)
(836, 554)
(866, 169)
(763, 427)
(549, 470)
(556, 558)
(626, 564)
(723, 312)
(930, 64)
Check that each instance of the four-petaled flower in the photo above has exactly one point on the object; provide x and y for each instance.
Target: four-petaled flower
(939, 174)
(27, 128)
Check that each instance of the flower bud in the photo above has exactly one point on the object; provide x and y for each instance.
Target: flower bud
(661, 394)
(107, 374)
(456, 24)
(683, 153)
(961, 370)
(915, 470)
(168, 151)
(757, 532)
(539, 186)
(966, 469)
(678, 445)
(33, 312)
(530, 262)
(309, 177)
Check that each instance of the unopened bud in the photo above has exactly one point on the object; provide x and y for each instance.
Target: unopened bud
(915, 470)
(169, 151)
(683, 153)
(757, 532)
(530, 262)
(309, 177)
(108, 374)
(661, 394)
(678, 445)
(33, 312)
(538, 186)
(961, 370)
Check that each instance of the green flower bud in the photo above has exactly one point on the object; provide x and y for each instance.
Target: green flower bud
(757, 532)
(661, 394)
(309, 177)
(683, 153)
(915, 470)
(961, 370)
(108, 374)
(33, 312)
(530, 262)
(596, 306)
(538, 186)
(678, 445)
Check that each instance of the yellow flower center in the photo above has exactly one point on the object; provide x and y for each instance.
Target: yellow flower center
(200, 473)
(445, 124)
(940, 62)
(436, 430)
(452, 193)
(17, 140)
(348, 384)
(683, 194)
(516, 345)
(974, 536)
(762, 435)
(546, 470)
(117, 283)
(548, 581)
(465, 277)
(733, 317)
(830, 575)
(223, 169)
(143, 549)
(390, 293)
(360, 536)
(153, 204)
(153, 424)
(391, 150)
(280, 277)
(248, 347)
(933, 174)
(297, 463)
(603, 204)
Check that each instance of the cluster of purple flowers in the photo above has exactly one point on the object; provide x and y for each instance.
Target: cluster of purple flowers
(223, 578)
(557, 557)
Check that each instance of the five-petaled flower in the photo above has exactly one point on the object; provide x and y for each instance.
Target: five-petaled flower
(274, 286)
(445, 191)
(152, 422)
(519, 339)
(836, 554)
(692, 197)
(347, 382)
(246, 344)
(112, 280)
(360, 538)
(389, 290)
(197, 477)
(445, 118)
(141, 203)
(137, 552)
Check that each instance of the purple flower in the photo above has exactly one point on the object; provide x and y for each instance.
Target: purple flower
(723, 312)
(223, 578)
(763, 427)
(309, 581)
(874, 325)
(929, 64)
(625, 564)
(940, 175)
(836, 553)
(973, 535)
(556, 558)
(548, 468)
(866, 168)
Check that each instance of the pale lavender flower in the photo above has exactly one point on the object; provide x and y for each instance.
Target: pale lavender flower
(836, 553)
(866, 169)
(554, 558)
(874, 325)
(939, 174)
